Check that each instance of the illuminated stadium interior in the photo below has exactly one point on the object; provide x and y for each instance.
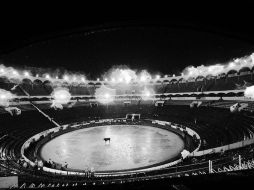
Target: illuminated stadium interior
(124, 126)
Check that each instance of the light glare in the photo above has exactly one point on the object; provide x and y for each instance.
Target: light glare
(61, 95)
(26, 74)
(5, 97)
(47, 76)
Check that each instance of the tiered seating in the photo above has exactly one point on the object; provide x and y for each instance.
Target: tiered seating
(216, 127)
(159, 89)
(223, 104)
(36, 89)
(247, 78)
(75, 90)
(173, 88)
(212, 84)
(190, 87)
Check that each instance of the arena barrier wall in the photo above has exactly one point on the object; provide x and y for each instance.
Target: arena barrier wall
(232, 146)
(151, 99)
(61, 172)
(189, 131)
(138, 97)
(8, 182)
(37, 136)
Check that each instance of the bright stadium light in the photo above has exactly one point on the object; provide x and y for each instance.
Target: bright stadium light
(2, 96)
(106, 79)
(5, 97)
(107, 95)
(98, 79)
(37, 75)
(66, 77)
(147, 93)
(231, 65)
(26, 74)
(61, 95)
(56, 77)
(14, 72)
(47, 76)
(83, 79)
(113, 80)
(142, 78)
(158, 77)
(237, 60)
(2, 70)
(127, 80)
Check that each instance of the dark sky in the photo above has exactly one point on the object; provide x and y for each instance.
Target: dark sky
(165, 48)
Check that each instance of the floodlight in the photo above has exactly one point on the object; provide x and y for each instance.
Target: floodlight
(26, 74)
(66, 77)
(14, 72)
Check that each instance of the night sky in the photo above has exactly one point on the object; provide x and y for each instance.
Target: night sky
(164, 50)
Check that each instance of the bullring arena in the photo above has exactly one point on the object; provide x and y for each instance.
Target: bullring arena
(130, 129)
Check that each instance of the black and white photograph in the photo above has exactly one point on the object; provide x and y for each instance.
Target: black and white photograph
(127, 102)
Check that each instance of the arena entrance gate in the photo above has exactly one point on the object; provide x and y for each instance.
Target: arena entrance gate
(159, 103)
(132, 117)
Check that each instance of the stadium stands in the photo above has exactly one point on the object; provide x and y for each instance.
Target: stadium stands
(213, 122)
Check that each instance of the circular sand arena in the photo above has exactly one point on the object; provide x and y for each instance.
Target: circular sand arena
(130, 147)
